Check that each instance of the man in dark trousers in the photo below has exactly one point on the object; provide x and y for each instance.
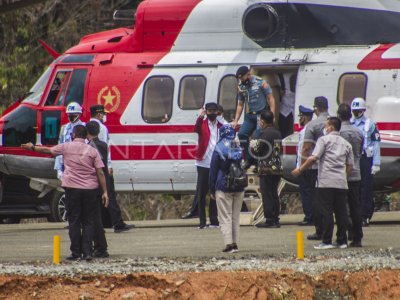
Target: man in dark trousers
(356, 139)
(82, 175)
(98, 114)
(306, 193)
(312, 133)
(268, 148)
(255, 95)
(335, 157)
(206, 127)
(99, 241)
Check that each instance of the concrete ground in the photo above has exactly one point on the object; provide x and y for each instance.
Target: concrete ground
(181, 238)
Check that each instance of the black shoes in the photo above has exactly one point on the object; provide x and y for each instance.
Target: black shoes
(100, 254)
(231, 248)
(306, 223)
(190, 215)
(356, 244)
(314, 237)
(365, 222)
(87, 257)
(73, 257)
(268, 225)
(124, 227)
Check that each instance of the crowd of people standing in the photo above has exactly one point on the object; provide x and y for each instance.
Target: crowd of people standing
(336, 159)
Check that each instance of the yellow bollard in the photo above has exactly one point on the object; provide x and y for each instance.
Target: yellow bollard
(56, 249)
(300, 244)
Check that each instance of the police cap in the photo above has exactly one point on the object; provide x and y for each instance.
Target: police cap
(305, 111)
(243, 70)
(97, 109)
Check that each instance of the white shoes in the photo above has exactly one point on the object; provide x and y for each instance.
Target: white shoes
(323, 246)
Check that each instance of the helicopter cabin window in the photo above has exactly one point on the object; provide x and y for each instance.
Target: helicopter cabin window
(192, 92)
(227, 96)
(351, 85)
(157, 99)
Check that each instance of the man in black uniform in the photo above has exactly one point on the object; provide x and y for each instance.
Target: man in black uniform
(99, 238)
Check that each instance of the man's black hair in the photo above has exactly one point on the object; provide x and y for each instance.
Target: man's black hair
(267, 116)
(344, 112)
(220, 108)
(93, 128)
(80, 131)
(335, 122)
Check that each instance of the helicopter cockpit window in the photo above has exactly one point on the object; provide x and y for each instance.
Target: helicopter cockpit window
(35, 94)
(76, 88)
(157, 99)
(192, 92)
(58, 88)
(352, 85)
(227, 96)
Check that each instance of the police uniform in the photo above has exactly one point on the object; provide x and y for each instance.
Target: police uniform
(254, 94)
(370, 157)
(306, 193)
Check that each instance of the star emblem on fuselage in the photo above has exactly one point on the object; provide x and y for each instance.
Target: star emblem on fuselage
(109, 97)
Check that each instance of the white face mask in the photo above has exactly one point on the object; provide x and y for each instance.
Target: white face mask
(220, 119)
(104, 119)
(325, 131)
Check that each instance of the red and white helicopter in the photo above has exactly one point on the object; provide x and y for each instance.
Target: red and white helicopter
(153, 78)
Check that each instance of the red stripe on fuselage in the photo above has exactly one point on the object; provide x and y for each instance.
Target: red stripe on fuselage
(374, 60)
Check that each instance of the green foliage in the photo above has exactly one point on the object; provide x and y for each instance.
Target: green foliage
(61, 24)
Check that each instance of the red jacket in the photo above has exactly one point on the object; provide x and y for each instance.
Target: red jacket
(202, 129)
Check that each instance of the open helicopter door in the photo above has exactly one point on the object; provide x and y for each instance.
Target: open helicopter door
(274, 73)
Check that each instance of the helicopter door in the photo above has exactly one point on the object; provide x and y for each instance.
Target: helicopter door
(68, 85)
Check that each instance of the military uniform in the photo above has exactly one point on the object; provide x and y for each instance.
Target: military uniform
(254, 94)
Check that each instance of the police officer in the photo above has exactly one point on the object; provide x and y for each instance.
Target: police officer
(74, 112)
(98, 114)
(305, 117)
(371, 158)
(257, 94)
(355, 137)
(312, 133)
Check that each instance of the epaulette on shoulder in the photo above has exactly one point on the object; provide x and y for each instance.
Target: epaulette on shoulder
(258, 78)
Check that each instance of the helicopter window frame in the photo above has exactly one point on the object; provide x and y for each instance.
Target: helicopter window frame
(148, 104)
(341, 92)
(236, 98)
(63, 84)
(182, 104)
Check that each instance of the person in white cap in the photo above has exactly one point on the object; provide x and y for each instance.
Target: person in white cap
(74, 113)
(371, 156)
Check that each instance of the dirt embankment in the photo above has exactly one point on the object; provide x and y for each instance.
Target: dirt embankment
(285, 284)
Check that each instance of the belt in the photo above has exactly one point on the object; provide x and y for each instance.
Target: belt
(255, 112)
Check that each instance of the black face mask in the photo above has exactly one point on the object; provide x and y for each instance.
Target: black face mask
(72, 118)
(212, 117)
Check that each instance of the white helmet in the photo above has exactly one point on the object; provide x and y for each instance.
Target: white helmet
(358, 104)
(74, 108)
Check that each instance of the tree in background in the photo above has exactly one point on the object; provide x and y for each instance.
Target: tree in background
(60, 23)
